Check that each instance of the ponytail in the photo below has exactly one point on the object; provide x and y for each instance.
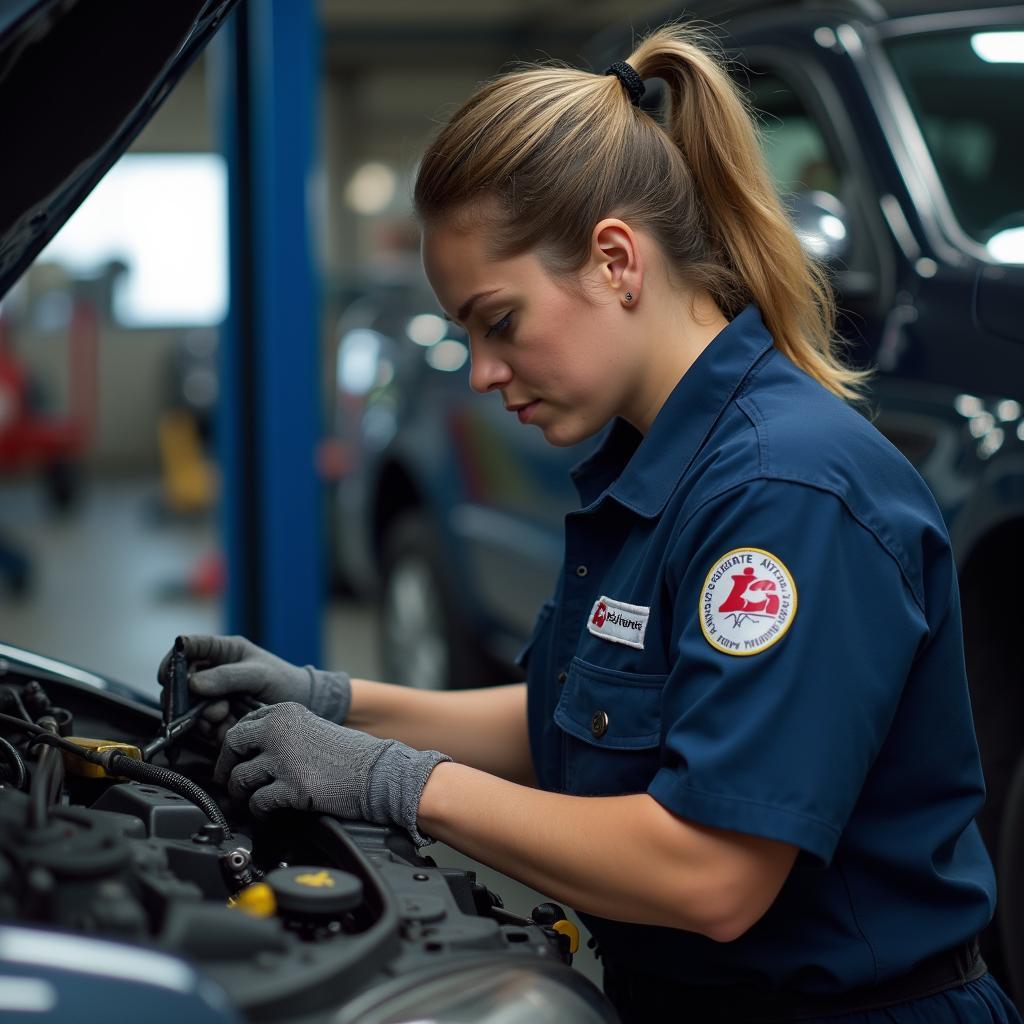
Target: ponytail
(748, 229)
(556, 149)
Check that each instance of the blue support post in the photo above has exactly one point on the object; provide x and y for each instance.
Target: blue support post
(235, 423)
(271, 421)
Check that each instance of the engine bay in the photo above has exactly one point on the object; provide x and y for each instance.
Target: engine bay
(111, 826)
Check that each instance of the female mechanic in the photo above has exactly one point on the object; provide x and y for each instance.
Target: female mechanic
(744, 750)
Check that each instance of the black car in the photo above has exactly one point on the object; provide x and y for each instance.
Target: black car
(894, 133)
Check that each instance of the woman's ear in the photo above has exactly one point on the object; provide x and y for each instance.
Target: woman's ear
(618, 260)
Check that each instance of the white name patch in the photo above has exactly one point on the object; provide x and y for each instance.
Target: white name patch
(619, 622)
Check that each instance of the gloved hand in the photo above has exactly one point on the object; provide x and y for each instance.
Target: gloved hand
(221, 666)
(283, 756)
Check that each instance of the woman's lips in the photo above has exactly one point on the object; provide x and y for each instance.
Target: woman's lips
(526, 412)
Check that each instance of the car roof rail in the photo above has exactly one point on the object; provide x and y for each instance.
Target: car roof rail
(716, 12)
(869, 10)
(613, 41)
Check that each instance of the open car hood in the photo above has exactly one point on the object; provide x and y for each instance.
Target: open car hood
(79, 79)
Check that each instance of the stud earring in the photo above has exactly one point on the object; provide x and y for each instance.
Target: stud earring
(629, 296)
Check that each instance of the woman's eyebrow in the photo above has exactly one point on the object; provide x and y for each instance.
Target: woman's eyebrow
(467, 307)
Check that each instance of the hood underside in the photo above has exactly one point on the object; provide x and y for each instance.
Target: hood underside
(79, 79)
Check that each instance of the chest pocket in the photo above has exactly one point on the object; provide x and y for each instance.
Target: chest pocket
(612, 726)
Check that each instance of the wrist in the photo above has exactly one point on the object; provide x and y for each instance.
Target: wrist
(430, 761)
(433, 815)
(360, 709)
(330, 694)
(404, 772)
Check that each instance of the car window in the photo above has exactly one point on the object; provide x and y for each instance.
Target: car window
(802, 156)
(793, 142)
(966, 89)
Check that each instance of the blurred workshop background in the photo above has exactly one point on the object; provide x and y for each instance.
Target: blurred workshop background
(228, 402)
(111, 534)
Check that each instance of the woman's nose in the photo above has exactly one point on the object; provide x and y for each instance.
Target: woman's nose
(486, 372)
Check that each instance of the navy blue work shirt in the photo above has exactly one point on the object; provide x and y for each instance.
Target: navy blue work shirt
(758, 624)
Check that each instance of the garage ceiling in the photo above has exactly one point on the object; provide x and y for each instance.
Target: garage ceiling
(429, 32)
(492, 15)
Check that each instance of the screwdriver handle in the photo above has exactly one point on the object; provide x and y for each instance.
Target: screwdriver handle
(178, 695)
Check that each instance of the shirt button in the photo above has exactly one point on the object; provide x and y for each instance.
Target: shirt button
(599, 724)
(562, 677)
(581, 570)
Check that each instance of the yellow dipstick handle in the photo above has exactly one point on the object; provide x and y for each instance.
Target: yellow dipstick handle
(564, 927)
(256, 900)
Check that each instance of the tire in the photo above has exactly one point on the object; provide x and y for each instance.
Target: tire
(425, 640)
(997, 699)
(1011, 892)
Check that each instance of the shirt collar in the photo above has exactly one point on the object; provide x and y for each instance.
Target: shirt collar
(640, 472)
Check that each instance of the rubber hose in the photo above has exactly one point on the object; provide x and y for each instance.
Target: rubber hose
(11, 696)
(10, 753)
(142, 771)
(46, 779)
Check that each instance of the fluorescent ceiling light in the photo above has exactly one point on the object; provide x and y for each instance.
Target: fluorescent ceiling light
(1008, 246)
(371, 189)
(448, 355)
(426, 329)
(999, 47)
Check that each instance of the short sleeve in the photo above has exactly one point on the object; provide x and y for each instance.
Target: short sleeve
(794, 631)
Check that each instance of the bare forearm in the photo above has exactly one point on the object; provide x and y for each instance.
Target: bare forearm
(484, 728)
(622, 857)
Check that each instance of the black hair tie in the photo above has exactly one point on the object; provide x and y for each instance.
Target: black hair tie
(629, 78)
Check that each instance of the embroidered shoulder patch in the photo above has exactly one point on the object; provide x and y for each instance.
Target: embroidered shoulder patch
(748, 602)
(619, 622)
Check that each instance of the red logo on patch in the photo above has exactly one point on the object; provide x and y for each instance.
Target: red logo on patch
(600, 614)
(763, 589)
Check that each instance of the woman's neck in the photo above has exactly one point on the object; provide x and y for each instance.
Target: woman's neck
(677, 332)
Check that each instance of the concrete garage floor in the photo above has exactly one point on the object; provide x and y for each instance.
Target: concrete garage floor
(107, 594)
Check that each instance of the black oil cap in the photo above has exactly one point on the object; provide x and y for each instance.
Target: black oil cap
(315, 890)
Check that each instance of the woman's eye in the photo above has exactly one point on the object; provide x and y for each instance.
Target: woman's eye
(500, 327)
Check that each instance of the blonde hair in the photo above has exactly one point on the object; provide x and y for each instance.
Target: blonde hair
(539, 155)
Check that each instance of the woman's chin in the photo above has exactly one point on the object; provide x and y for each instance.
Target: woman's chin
(561, 434)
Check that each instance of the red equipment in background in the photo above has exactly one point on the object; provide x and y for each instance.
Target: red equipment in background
(31, 439)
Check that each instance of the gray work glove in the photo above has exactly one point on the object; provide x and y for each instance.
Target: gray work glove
(223, 666)
(283, 756)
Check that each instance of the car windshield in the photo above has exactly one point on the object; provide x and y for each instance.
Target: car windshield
(966, 88)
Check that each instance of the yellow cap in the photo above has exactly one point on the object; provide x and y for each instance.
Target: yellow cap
(565, 927)
(77, 766)
(256, 899)
(316, 879)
